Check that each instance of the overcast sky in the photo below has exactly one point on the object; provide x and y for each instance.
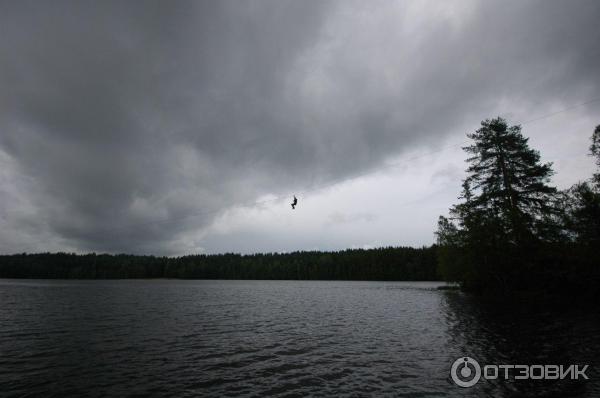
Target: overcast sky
(179, 127)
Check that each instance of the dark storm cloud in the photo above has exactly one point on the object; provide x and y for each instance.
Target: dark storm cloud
(130, 124)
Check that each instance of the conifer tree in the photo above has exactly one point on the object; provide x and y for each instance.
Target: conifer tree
(507, 187)
(507, 206)
(595, 151)
(582, 211)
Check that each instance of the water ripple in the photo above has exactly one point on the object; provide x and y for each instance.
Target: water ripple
(268, 338)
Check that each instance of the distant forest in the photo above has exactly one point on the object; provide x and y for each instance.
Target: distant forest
(385, 264)
(511, 231)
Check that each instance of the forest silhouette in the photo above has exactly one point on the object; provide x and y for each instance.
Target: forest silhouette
(511, 231)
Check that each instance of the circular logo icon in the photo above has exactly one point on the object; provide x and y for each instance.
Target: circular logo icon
(465, 372)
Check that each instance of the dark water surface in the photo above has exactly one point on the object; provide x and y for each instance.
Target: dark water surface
(283, 338)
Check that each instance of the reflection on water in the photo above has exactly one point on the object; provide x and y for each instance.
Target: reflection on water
(252, 338)
(526, 333)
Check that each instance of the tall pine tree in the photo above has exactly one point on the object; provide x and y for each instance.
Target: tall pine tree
(595, 151)
(507, 182)
(507, 206)
(582, 213)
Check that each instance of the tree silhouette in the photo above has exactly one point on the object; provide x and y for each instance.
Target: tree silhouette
(506, 207)
(506, 183)
(582, 207)
(595, 151)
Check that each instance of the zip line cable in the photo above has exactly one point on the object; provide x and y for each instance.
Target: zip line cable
(560, 111)
(404, 161)
(277, 198)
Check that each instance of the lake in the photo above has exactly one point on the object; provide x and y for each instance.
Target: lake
(279, 338)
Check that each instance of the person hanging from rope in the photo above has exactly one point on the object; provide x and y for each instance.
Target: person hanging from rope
(294, 202)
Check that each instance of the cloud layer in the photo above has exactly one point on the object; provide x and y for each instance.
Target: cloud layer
(128, 126)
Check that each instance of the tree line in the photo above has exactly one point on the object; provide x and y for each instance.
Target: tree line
(512, 230)
(386, 264)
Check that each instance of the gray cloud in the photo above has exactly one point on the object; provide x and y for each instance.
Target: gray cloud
(128, 126)
(343, 218)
